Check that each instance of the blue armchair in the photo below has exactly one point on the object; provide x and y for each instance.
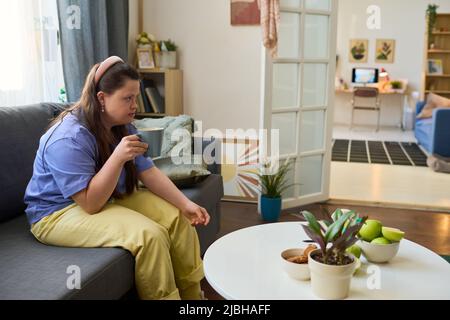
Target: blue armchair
(434, 133)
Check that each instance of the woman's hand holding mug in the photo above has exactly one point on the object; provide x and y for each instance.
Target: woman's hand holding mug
(129, 148)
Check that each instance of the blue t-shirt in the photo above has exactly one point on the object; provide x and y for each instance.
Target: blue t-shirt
(64, 165)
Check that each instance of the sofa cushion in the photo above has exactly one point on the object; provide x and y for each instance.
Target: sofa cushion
(423, 132)
(31, 270)
(20, 131)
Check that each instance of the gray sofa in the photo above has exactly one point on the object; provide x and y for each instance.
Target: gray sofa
(31, 270)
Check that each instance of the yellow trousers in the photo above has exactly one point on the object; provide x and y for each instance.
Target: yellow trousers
(163, 242)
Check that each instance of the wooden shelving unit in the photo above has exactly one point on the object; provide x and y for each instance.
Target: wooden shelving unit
(169, 83)
(439, 75)
(437, 83)
(438, 51)
(438, 91)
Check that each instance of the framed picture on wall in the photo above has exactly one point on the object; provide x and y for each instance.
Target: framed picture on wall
(385, 51)
(435, 66)
(245, 12)
(145, 58)
(239, 169)
(358, 50)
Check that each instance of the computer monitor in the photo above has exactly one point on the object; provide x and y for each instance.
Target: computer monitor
(365, 75)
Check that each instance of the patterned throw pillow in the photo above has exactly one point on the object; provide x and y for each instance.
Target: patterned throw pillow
(183, 175)
(170, 124)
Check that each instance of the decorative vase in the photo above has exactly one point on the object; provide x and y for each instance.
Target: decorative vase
(270, 208)
(330, 281)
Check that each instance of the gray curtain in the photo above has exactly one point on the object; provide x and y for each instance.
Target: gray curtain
(91, 31)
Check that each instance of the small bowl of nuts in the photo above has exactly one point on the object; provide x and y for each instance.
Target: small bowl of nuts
(295, 262)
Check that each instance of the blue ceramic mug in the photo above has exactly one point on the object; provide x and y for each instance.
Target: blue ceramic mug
(153, 137)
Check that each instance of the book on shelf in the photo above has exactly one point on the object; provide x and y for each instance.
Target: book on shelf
(140, 104)
(156, 100)
(146, 103)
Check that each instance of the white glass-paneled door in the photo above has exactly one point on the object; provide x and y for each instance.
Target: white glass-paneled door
(299, 95)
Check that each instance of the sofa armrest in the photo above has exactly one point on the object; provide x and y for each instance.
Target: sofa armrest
(211, 149)
(440, 142)
(419, 106)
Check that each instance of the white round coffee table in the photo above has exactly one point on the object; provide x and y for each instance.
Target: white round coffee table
(245, 265)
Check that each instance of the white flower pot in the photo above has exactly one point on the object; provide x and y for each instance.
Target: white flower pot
(167, 59)
(329, 281)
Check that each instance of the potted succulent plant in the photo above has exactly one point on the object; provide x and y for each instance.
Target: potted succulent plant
(332, 266)
(272, 185)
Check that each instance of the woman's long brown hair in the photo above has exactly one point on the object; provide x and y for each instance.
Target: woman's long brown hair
(113, 79)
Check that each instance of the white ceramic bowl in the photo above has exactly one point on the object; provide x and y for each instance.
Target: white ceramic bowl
(295, 270)
(378, 253)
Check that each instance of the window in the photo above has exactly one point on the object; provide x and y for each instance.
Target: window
(30, 59)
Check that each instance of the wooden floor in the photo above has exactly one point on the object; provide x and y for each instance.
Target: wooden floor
(429, 229)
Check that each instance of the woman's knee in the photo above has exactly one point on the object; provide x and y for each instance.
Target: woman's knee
(153, 235)
(164, 212)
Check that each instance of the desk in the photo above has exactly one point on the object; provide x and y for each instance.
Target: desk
(400, 92)
(387, 92)
(246, 264)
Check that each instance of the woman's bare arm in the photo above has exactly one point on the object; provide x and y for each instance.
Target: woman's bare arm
(158, 183)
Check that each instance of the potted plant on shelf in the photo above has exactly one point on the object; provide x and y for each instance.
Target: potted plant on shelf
(332, 266)
(272, 185)
(431, 21)
(168, 54)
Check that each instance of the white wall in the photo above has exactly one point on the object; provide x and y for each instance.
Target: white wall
(221, 63)
(402, 20)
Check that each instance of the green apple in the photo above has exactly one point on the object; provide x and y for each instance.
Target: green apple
(355, 250)
(392, 234)
(380, 240)
(370, 230)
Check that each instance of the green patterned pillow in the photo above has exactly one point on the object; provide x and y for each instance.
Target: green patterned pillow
(183, 175)
(169, 124)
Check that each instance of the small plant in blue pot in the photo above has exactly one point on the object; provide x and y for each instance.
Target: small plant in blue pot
(273, 184)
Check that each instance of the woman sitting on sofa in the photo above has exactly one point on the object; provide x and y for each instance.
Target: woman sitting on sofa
(83, 192)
